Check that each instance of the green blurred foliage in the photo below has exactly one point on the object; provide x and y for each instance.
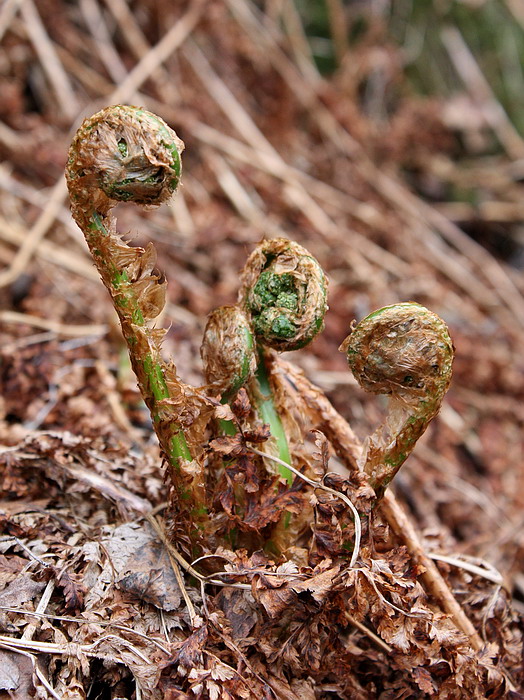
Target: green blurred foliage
(492, 29)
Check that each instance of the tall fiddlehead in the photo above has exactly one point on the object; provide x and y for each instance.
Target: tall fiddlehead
(404, 351)
(284, 291)
(128, 154)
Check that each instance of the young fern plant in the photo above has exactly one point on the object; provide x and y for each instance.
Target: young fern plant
(125, 154)
(284, 291)
(404, 351)
(282, 303)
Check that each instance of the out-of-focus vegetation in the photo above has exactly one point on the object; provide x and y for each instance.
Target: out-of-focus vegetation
(434, 36)
(466, 57)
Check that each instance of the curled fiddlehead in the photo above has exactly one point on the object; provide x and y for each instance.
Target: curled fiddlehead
(285, 291)
(125, 153)
(228, 351)
(404, 351)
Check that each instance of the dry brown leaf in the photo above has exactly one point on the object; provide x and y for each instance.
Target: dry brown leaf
(149, 576)
(16, 675)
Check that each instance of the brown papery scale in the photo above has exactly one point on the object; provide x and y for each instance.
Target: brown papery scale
(404, 351)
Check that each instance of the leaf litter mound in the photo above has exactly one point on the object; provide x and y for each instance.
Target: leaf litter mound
(95, 598)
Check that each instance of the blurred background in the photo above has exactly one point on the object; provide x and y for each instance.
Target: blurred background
(386, 137)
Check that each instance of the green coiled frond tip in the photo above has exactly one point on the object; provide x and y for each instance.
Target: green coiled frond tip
(228, 351)
(126, 153)
(284, 289)
(404, 351)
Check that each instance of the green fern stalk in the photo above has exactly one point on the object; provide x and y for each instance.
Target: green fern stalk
(284, 291)
(128, 154)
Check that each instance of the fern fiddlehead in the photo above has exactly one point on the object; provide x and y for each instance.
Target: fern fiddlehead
(284, 291)
(282, 302)
(404, 351)
(228, 351)
(124, 153)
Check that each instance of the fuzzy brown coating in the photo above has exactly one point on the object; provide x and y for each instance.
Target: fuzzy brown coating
(403, 349)
(228, 350)
(284, 289)
(124, 153)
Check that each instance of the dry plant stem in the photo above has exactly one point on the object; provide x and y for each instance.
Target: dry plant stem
(433, 581)
(127, 154)
(349, 450)
(374, 637)
(176, 570)
(405, 352)
(180, 559)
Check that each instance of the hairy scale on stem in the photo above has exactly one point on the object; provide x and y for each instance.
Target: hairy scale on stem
(404, 351)
(125, 153)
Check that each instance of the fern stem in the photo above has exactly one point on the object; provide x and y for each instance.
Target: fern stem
(284, 291)
(268, 412)
(128, 154)
(404, 351)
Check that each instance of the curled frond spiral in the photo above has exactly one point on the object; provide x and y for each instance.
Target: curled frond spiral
(404, 351)
(124, 153)
(228, 351)
(284, 289)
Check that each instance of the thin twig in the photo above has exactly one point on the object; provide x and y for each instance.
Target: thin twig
(43, 680)
(485, 571)
(7, 14)
(103, 41)
(186, 565)
(35, 234)
(339, 28)
(45, 50)
(30, 553)
(40, 608)
(50, 325)
(480, 90)
(173, 38)
(432, 577)
(86, 621)
(369, 633)
(194, 618)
